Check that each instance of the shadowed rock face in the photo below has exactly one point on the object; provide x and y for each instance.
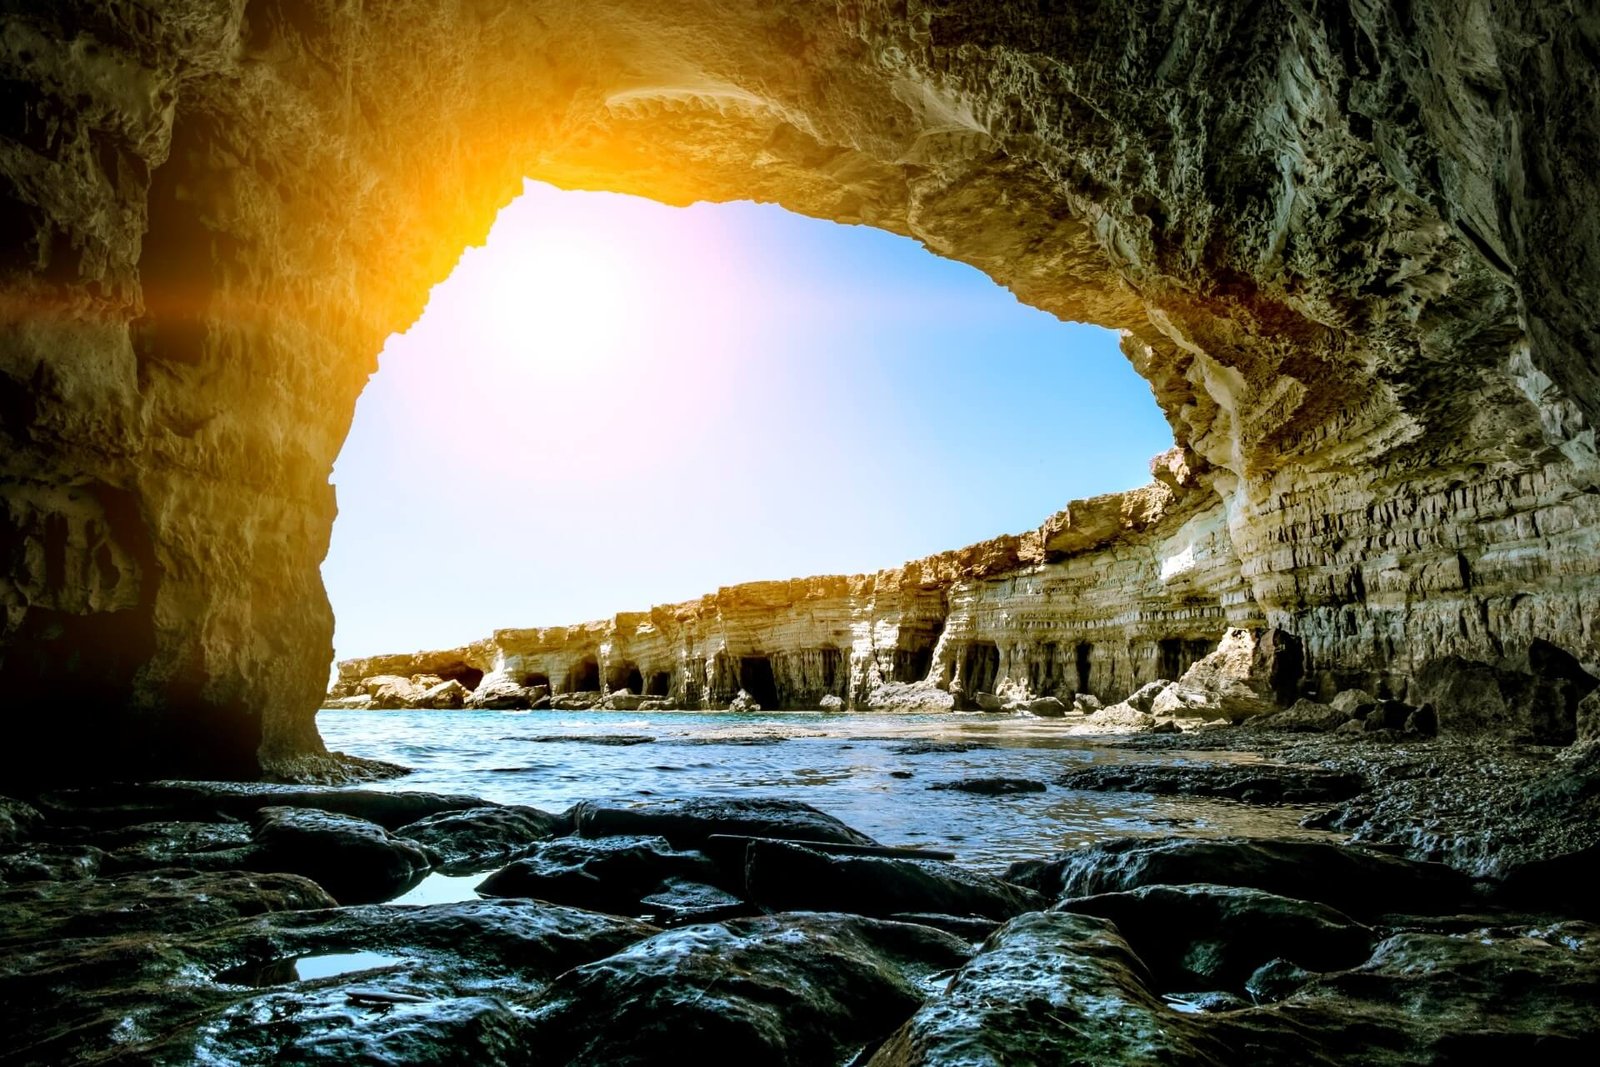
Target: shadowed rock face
(1352, 246)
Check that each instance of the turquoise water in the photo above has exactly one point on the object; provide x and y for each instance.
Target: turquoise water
(860, 768)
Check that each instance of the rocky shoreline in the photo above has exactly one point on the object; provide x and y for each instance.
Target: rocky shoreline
(238, 923)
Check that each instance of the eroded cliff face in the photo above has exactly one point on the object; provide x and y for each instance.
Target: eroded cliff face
(1352, 245)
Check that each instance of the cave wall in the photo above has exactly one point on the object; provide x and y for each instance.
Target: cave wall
(1352, 245)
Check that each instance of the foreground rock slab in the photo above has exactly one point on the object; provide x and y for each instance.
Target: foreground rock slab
(355, 860)
(785, 991)
(689, 823)
(1247, 783)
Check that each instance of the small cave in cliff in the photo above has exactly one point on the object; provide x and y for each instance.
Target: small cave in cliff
(584, 677)
(913, 655)
(1174, 655)
(626, 677)
(1083, 661)
(980, 664)
(469, 677)
(757, 679)
(533, 678)
(659, 684)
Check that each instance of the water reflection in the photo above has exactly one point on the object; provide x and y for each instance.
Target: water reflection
(305, 968)
(872, 771)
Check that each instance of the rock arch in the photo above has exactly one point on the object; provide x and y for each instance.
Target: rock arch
(1350, 251)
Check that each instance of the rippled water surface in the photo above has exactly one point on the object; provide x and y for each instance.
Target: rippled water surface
(872, 771)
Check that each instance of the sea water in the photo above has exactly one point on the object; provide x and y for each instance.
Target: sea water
(874, 771)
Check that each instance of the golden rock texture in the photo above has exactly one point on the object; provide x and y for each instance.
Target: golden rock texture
(1352, 246)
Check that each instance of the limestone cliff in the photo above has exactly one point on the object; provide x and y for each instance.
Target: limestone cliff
(1352, 245)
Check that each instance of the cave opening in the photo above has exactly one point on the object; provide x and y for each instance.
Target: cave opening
(659, 684)
(604, 294)
(980, 664)
(627, 677)
(1083, 660)
(535, 678)
(584, 677)
(467, 675)
(757, 679)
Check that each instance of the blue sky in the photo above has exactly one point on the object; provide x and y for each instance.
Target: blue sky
(614, 404)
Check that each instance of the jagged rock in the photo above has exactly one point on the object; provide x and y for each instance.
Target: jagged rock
(743, 702)
(1087, 703)
(358, 702)
(1205, 937)
(355, 860)
(470, 839)
(786, 877)
(688, 823)
(392, 693)
(130, 804)
(1586, 716)
(1123, 719)
(444, 696)
(1355, 881)
(1474, 698)
(1249, 783)
(1144, 698)
(1348, 700)
(995, 702)
(830, 702)
(612, 874)
(499, 692)
(1305, 716)
(1047, 707)
(622, 700)
(199, 846)
(677, 901)
(51, 863)
(789, 989)
(918, 696)
(1249, 674)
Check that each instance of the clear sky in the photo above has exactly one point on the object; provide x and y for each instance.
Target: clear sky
(615, 404)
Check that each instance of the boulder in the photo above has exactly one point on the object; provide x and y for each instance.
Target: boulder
(910, 696)
(1047, 708)
(612, 874)
(131, 803)
(1144, 698)
(1472, 698)
(688, 823)
(1250, 673)
(744, 703)
(1356, 881)
(1348, 700)
(1050, 988)
(1586, 718)
(470, 839)
(355, 860)
(444, 696)
(1118, 719)
(1305, 716)
(499, 692)
(391, 692)
(784, 877)
(358, 702)
(623, 700)
(782, 990)
(830, 702)
(1211, 937)
(1086, 703)
(993, 702)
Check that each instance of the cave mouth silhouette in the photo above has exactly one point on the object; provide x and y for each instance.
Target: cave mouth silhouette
(604, 359)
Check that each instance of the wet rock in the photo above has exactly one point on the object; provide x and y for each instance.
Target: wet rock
(1250, 783)
(603, 740)
(1586, 718)
(17, 820)
(476, 837)
(1387, 715)
(830, 702)
(201, 846)
(127, 805)
(51, 863)
(1047, 707)
(787, 991)
(676, 900)
(688, 823)
(939, 748)
(1050, 988)
(992, 787)
(1568, 883)
(793, 878)
(966, 927)
(576, 701)
(611, 874)
(1200, 937)
(1423, 721)
(1119, 718)
(1086, 703)
(995, 702)
(1356, 881)
(622, 700)
(355, 860)
(164, 903)
(1276, 979)
(1304, 716)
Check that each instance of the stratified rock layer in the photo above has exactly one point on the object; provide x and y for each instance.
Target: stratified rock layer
(1352, 247)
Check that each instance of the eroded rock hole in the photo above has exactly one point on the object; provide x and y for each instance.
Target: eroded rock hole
(627, 677)
(659, 684)
(756, 678)
(468, 676)
(1084, 660)
(1176, 654)
(585, 677)
(980, 664)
